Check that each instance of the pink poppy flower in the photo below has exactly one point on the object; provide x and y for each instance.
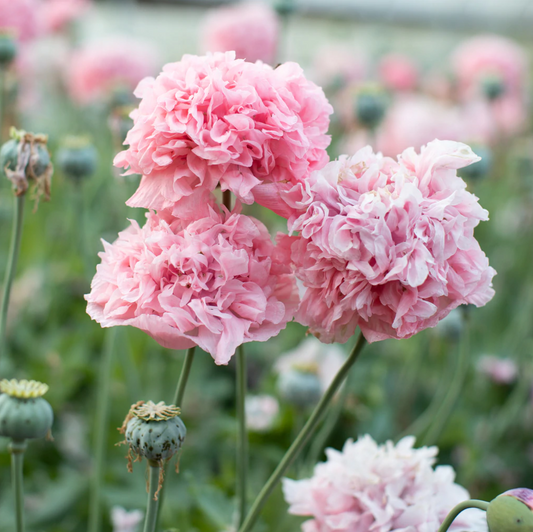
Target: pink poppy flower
(387, 245)
(21, 17)
(216, 282)
(58, 14)
(250, 29)
(398, 72)
(215, 120)
(95, 70)
(386, 488)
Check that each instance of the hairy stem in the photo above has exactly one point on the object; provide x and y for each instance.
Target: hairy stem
(242, 446)
(465, 505)
(16, 235)
(303, 437)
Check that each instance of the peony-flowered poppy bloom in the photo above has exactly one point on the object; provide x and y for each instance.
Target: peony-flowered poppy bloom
(213, 120)
(216, 282)
(387, 245)
(387, 487)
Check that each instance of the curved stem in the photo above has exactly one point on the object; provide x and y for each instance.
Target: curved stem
(465, 505)
(17, 460)
(303, 437)
(184, 376)
(153, 503)
(242, 447)
(102, 409)
(14, 249)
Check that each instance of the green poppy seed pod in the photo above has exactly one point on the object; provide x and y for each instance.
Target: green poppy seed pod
(154, 431)
(511, 511)
(370, 106)
(299, 387)
(24, 413)
(479, 169)
(285, 7)
(8, 49)
(77, 159)
(492, 86)
(9, 155)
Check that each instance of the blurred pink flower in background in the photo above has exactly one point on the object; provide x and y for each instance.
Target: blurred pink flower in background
(336, 65)
(387, 245)
(387, 487)
(21, 17)
(124, 521)
(216, 119)
(250, 29)
(500, 370)
(309, 354)
(261, 412)
(95, 70)
(398, 72)
(217, 282)
(58, 14)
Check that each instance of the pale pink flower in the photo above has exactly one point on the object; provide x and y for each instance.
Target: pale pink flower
(312, 355)
(387, 488)
(58, 14)
(21, 17)
(250, 29)
(398, 72)
(124, 521)
(97, 69)
(335, 66)
(215, 120)
(500, 370)
(216, 282)
(387, 245)
(261, 412)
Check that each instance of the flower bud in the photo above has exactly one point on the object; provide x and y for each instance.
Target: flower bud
(370, 106)
(8, 49)
(24, 414)
(285, 7)
(492, 87)
(299, 386)
(479, 169)
(154, 431)
(25, 159)
(77, 159)
(512, 511)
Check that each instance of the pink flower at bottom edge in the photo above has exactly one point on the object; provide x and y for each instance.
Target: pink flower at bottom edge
(216, 282)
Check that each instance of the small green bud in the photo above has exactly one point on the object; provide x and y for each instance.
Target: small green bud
(24, 414)
(370, 106)
(8, 49)
(511, 511)
(77, 159)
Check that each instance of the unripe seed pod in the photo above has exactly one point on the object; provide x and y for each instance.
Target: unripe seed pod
(479, 169)
(77, 159)
(370, 106)
(24, 414)
(8, 49)
(493, 87)
(299, 387)
(512, 511)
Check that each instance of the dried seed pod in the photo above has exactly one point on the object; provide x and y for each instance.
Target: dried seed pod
(24, 414)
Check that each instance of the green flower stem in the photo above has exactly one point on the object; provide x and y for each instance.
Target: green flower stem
(184, 377)
(465, 505)
(100, 437)
(16, 234)
(242, 447)
(303, 437)
(153, 503)
(17, 448)
(2, 102)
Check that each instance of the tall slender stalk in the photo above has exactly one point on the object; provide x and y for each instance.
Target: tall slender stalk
(303, 437)
(100, 436)
(184, 377)
(242, 447)
(16, 235)
(465, 505)
(153, 503)
(2, 102)
(17, 448)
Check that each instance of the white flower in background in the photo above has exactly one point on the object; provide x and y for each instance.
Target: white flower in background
(500, 370)
(261, 412)
(380, 488)
(313, 356)
(124, 521)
